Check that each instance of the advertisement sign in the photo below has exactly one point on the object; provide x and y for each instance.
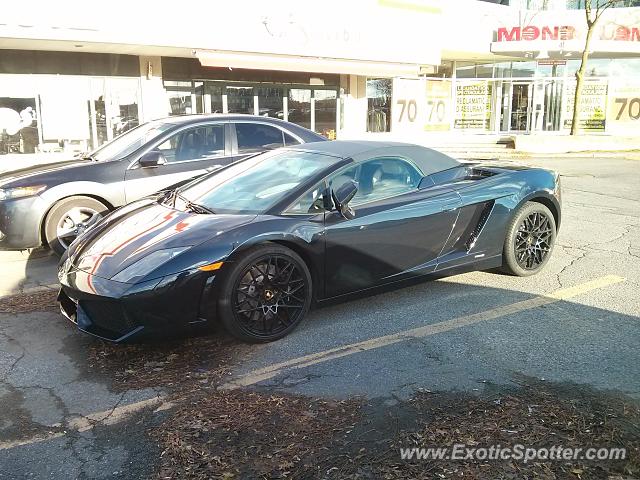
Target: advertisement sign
(438, 105)
(473, 105)
(421, 105)
(593, 106)
(408, 105)
(623, 108)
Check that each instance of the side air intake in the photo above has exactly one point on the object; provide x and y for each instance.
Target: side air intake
(484, 215)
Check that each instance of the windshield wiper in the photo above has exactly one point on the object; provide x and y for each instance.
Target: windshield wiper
(194, 207)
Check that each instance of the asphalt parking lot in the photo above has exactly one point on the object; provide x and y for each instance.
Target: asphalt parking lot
(574, 324)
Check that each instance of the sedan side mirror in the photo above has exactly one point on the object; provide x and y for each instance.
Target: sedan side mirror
(342, 196)
(153, 158)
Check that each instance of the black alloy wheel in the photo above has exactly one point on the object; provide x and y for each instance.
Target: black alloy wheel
(530, 239)
(266, 294)
(532, 243)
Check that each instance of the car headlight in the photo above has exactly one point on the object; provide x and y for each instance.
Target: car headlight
(18, 192)
(142, 267)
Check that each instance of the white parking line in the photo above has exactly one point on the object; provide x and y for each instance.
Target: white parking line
(110, 417)
(261, 374)
(84, 423)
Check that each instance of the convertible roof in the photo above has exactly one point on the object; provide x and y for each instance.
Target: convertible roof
(429, 160)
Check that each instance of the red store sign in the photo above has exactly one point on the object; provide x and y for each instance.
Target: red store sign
(608, 31)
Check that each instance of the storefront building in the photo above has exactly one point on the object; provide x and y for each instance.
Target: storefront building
(510, 72)
(368, 68)
(71, 80)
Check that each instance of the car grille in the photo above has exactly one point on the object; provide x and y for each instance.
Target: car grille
(107, 315)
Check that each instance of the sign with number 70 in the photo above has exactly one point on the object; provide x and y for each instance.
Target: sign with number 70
(623, 109)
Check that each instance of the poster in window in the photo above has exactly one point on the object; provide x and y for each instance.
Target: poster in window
(593, 106)
(623, 108)
(473, 105)
(438, 105)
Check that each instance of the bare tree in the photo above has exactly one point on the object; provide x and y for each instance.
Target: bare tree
(593, 10)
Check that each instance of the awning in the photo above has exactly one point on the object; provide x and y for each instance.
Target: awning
(259, 61)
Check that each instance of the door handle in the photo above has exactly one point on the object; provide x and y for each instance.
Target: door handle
(212, 168)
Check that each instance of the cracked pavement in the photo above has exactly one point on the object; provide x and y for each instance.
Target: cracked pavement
(47, 390)
(47, 387)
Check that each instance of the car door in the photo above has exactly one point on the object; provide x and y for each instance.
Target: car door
(398, 229)
(190, 152)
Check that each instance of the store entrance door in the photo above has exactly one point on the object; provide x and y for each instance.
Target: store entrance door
(552, 105)
(520, 111)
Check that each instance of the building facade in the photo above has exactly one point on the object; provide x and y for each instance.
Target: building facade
(71, 81)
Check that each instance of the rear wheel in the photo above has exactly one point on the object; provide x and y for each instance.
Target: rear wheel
(531, 235)
(265, 294)
(69, 218)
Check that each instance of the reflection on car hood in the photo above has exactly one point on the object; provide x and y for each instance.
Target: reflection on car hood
(36, 170)
(121, 240)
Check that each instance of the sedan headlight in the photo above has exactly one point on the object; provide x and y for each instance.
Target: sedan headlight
(142, 267)
(18, 192)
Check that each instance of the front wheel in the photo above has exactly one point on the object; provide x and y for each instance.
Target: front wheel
(265, 294)
(530, 238)
(69, 218)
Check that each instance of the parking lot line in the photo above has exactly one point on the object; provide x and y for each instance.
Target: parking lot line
(119, 413)
(87, 422)
(261, 374)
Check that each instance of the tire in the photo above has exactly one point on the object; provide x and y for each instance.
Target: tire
(256, 311)
(70, 215)
(531, 235)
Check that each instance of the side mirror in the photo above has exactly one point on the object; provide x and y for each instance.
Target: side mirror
(153, 158)
(342, 196)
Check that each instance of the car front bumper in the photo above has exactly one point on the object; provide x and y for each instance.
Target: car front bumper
(119, 312)
(20, 221)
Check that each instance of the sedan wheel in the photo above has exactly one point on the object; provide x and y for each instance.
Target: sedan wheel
(530, 239)
(266, 295)
(74, 223)
(70, 218)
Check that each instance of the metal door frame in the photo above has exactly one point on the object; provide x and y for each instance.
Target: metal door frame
(529, 104)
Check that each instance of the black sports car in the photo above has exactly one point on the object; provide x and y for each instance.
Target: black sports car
(51, 204)
(254, 244)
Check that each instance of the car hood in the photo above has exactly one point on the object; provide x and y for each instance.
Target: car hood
(125, 237)
(38, 172)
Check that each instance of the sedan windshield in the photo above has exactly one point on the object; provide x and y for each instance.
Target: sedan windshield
(253, 185)
(128, 142)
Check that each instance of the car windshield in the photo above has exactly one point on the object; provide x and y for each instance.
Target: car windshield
(128, 142)
(255, 184)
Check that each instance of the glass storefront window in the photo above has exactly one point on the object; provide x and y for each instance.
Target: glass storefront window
(465, 70)
(300, 106)
(179, 95)
(213, 94)
(484, 70)
(379, 104)
(123, 111)
(240, 99)
(445, 70)
(65, 113)
(625, 67)
(97, 113)
(502, 70)
(270, 101)
(198, 97)
(550, 70)
(18, 125)
(596, 67)
(325, 111)
(523, 69)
